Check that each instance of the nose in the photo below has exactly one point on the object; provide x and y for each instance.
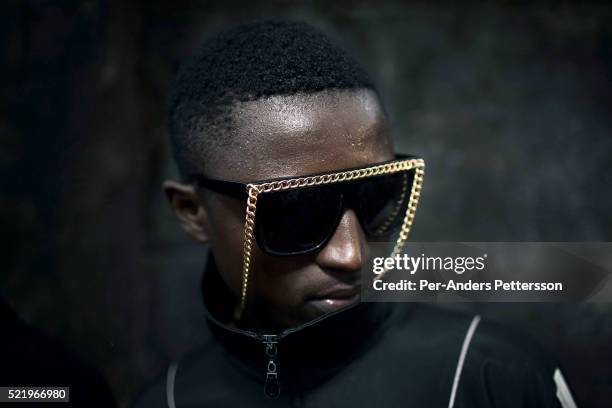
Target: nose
(346, 249)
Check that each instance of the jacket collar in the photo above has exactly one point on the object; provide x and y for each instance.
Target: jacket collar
(307, 354)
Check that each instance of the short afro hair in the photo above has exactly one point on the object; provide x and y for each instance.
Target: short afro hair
(246, 63)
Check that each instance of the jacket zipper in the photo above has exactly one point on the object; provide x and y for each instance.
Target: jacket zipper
(271, 386)
(270, 341)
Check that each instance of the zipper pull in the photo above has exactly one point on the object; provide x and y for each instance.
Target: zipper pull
(271, 387)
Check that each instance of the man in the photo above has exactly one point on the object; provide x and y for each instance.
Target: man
(277, 100)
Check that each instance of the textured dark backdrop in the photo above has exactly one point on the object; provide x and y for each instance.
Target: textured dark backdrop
(509, 103)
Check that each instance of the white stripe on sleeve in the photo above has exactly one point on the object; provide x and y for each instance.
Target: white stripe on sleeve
(170, 384)
(563, 393)
(464, 349)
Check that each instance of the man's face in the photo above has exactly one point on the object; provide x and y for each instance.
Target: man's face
(289, 136)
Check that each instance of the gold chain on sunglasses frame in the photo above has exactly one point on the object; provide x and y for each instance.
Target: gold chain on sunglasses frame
(255, 189)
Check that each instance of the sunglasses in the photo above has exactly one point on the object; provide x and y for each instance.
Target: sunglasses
(299, 215)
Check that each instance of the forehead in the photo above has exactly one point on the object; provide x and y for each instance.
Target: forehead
(284, 136)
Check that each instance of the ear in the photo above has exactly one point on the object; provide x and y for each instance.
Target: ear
(188, 207)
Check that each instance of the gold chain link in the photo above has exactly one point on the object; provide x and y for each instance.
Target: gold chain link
(396, 208)
(413, 202)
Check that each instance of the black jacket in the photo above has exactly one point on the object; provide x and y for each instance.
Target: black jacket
(367, 355)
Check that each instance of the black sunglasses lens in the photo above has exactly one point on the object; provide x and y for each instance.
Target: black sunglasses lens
(296, 221)
(301, 220)
(383, 201)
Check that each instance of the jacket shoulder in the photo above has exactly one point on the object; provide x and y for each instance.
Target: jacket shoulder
(490, 340)
(493, 364)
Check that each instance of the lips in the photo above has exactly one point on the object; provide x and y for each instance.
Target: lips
(334, 298)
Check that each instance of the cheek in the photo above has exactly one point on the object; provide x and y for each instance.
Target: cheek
(279, 280)
(226, 222)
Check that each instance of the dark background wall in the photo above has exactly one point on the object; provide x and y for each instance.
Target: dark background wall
(508, 102)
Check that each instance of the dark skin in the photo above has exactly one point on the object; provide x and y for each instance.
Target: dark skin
(288, 136)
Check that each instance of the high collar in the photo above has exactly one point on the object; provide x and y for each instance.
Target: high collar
(307, 354)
